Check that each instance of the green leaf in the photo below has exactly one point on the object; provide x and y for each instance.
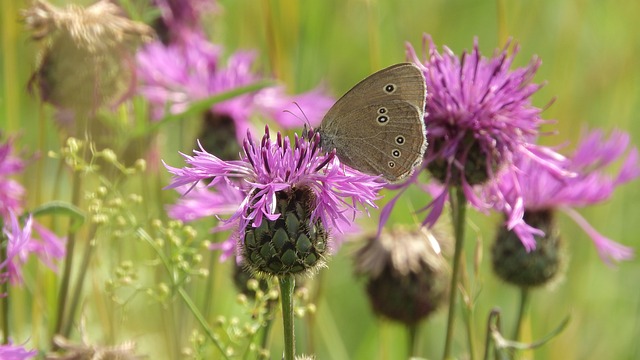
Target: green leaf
(62, 208)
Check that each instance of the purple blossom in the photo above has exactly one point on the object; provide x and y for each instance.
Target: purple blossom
(247, 188)
(15, 352)
(533, 187)
(21, 243)
(178, 15)
(175, 76)
(478, 118)
(11, 191)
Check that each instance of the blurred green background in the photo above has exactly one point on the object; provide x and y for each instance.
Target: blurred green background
(589, 52)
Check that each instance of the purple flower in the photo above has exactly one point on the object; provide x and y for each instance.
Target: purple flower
(13, 352)
(175, 76)
(177, 15)
(249, 188)
(533, 187)
(21, 243)
(478, 118)
(11, 191)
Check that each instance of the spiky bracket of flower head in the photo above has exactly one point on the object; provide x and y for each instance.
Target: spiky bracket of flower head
(291, 244)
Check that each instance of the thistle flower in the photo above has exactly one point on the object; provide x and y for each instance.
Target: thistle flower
(406, 274)
(293, 198)
(479, 117)
(179, 16)
(534, 189)
(175, 76)
(20, 242)
(11, 192)
(15, 352)
(88, 54)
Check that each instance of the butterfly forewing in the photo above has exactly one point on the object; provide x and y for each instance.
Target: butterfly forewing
(407, 79)
(378, 127)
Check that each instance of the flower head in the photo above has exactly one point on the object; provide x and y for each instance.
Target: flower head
(479, 117)
(178, 16)
(406, 274)
(15, 352)
(534, 188)
(20, 242)
(282, 184)
(88, 56)
(175, 76)
(11, 191)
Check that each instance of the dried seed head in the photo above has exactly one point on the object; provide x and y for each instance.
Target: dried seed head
(70, 351)
(89, 54)
(407, 275)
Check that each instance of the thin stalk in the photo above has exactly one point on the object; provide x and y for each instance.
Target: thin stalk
(458, 208)
(287, 283)
(207, 329)
(4, 292)
(267, 330)
(522, 311)
(77, 291)
(208, 291)
(412, 337)
(68, 260)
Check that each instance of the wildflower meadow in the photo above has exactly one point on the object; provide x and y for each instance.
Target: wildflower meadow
(184, 179)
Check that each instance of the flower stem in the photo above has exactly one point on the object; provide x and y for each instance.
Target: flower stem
(194, 310)
(68, 260)
(287, 283)
(522, 311)
(412, 336)
(4, 289)
(458, 208)
(77, 291)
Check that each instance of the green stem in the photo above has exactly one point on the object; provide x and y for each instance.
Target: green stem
(412, 335)
(194, 310)
(77, 291)
(522, 311)
(68, 261)
(458, 207)
(208, 291)
(287, 283)
(4, 292)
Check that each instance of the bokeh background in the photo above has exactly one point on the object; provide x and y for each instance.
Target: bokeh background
(589, 53)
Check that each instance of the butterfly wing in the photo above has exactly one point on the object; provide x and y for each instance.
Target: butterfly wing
(382, 139)
(378, 127)
(406, 81)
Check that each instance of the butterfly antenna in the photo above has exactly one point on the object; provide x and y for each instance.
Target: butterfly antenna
(305, 131)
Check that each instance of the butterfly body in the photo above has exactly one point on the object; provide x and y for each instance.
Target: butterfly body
(378, 127)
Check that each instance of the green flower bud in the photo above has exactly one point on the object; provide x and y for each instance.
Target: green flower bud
(513, 264)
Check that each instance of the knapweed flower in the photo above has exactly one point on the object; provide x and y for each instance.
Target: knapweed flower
(19, 240)
(407, 277)
(16, 352)
(535, 193)
(479, 117)
(11, 192)
(178, 16)
(175, 76)
(88, 56)
(293, 198)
